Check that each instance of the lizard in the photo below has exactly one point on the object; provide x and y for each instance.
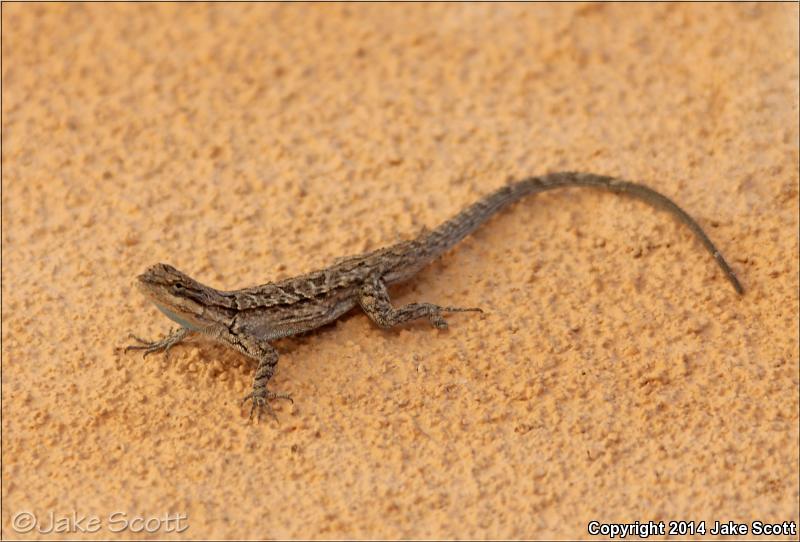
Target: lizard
(250, 319)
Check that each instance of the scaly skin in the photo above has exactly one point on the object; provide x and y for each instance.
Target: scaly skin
(248, 319)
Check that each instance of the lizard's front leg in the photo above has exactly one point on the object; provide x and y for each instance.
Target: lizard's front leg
(267, 358)
(374, 300)
(175, 336)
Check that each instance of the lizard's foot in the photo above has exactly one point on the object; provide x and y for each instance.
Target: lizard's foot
(261, 397)
(440, 323)
(175, 336)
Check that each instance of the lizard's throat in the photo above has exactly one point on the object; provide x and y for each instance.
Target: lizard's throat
(178, 318)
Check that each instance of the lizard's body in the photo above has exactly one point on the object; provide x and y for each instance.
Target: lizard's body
(249, 318)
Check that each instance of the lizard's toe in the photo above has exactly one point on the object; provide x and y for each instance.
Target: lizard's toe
(260, 401)
(138, 340)
(462, 309)
(174, 337)
(280, 395)
(439, 322)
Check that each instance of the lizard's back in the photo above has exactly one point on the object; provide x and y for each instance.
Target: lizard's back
(306, 302)
(345, 276)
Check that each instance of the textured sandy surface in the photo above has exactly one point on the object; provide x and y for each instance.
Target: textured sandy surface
(614, 376)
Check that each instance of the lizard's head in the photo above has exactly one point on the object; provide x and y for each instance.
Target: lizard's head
(180, 297)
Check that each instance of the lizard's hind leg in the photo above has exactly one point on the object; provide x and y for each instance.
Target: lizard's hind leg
(373, 298)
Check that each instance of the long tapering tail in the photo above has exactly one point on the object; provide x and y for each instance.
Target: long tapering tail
(452, 231)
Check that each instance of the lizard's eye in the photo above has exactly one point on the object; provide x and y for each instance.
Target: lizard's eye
(178, 287)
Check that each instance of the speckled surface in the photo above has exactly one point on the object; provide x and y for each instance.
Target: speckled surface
(615, 375)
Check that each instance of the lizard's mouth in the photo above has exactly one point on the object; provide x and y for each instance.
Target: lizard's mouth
(158, 284)
(145, 287)
(148, 281)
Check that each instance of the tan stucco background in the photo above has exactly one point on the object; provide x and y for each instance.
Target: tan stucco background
(615, 375)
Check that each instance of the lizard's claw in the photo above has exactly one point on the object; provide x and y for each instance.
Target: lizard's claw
(175, 336)
(438, 320)
(148, 346)
(261, 399)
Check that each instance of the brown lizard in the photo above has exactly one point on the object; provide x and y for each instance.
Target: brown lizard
(250, 318)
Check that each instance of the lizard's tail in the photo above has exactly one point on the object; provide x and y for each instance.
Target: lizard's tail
(451, 232)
